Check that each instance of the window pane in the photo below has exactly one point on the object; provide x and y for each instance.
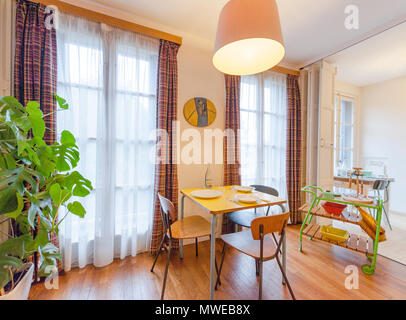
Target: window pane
(248, 95)
(347, 111)
(346, 135)
(346, 158)
(82, 59)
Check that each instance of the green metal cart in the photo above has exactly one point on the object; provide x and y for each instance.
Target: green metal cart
(358, 243)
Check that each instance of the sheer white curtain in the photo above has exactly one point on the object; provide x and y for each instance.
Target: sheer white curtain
(263, 130)
(109, 78)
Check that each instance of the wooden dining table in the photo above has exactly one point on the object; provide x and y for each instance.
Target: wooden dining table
(222, 205)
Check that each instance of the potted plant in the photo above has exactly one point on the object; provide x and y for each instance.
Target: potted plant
(36, 182)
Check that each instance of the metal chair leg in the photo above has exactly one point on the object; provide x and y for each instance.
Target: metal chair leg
(387, 217)
(257, 267)
(166, 269)
(197, 250)
(261, 270)
(221, 266)
(217, 271)
(158, 252)
(285, 277)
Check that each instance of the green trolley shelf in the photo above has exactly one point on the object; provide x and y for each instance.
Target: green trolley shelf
(366, 245)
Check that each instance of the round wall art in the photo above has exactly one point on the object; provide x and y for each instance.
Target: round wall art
(199, 112)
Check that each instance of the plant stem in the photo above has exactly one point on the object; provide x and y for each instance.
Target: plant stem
(48, 114)
(11, 277)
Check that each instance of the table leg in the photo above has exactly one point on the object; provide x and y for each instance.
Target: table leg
(284, 257)
(182, 206)
(212, 255)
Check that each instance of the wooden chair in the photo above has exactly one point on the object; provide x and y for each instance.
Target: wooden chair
(192, 227)
(244, 217)
(258, 244)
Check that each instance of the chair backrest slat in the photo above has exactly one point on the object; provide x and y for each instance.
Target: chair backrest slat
(167, 211)
(272, 224)
(268, 190)
(265, 189)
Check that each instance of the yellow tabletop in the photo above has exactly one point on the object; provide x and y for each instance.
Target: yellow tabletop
(224, 204)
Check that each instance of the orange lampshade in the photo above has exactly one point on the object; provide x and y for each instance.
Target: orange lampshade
(249, 37)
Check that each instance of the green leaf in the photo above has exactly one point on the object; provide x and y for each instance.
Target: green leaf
(32, 213)
(11, 163)
(4, 277)
(20, 207)
(79, 185)
(14, 246)
(35, 116)
(67, 152)
(23, 225)
(67, 138)
(56, 192)
(47, 161)
(8, 261)
(49, 256)
(11, 183)
(77, 209)
(61, 102)
(42, 238)
(59, 195)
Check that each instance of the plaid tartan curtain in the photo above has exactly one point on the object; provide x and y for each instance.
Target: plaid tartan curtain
(232, 174)
(294, 148)
(166, 172)
(35, 67)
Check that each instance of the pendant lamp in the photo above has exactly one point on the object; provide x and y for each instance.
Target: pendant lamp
(249, 37)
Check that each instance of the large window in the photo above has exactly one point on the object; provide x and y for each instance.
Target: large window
(344, 133)
(263, 130)
(109, 78)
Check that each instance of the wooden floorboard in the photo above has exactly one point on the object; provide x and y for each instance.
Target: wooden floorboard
(317, 273)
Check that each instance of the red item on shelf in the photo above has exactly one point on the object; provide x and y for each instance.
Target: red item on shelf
(334, 208)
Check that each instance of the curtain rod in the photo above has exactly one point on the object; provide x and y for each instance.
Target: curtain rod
(103, 18)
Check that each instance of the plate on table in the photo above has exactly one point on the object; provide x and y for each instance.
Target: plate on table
(206, 193)
(247, 198)
(244, 189)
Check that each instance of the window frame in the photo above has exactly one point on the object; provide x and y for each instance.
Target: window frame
(260, 114)
(338, 98)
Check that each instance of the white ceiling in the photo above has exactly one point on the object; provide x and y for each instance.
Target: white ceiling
(377, 59)
(312, 29)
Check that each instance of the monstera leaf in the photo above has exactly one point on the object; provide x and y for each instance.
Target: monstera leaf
(47, 161)
(67, 152)
(35, 117)
(11, 183)
(79, 185)
(61, 102)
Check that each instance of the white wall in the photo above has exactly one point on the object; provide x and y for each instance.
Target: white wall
(383, 132)
(198, 78)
